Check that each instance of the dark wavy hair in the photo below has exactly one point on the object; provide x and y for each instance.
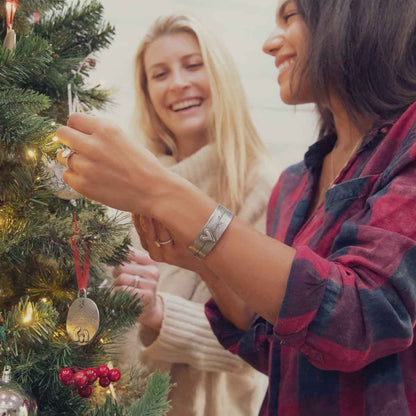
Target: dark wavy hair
(364, 51)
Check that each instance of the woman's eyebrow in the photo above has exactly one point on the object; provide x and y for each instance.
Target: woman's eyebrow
(190, 55)
(282, 9)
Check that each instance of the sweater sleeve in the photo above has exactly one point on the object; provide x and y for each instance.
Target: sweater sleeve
(186, 337)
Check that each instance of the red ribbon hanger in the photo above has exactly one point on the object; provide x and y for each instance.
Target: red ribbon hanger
(82, 273)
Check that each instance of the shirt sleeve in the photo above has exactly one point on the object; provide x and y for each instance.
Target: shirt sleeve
(252, 345)
(359, 304)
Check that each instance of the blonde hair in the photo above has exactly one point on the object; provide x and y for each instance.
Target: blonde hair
(236, 143)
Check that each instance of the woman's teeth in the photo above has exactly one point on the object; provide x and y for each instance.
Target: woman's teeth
(195, 102)
(285, 64)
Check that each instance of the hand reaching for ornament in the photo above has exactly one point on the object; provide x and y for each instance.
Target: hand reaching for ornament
(140, 277)
(104, 165)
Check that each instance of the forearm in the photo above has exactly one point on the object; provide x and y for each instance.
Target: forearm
(232, 306)
(254, 266)
(257, 271)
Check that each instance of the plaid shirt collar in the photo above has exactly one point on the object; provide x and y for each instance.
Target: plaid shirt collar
(316, 153)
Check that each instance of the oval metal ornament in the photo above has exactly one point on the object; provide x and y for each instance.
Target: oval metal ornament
(83, 320)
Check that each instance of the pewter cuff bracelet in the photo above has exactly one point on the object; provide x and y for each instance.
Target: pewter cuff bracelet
(211, 233)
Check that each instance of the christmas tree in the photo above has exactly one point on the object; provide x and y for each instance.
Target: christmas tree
(48, 232)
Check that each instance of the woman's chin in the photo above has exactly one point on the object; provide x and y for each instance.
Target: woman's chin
(291, 99)
(189, 129)
(288, 99)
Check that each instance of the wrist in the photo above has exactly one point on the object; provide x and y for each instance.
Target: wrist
(154, 321)
(185, 208)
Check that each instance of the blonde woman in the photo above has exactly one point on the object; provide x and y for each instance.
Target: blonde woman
(194, 117)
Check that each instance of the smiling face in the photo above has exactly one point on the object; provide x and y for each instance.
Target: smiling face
(288, 45)
(178, 85)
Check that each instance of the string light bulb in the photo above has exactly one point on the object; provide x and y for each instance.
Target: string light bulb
(31, 153)
(29, 314)
(10, 39)
(11, 7)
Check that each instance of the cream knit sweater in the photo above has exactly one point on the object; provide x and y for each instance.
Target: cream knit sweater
(210, 381)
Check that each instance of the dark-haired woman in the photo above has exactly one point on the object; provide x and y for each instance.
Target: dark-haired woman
(334, 284)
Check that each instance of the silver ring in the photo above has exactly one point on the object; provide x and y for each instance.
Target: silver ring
(66, 155)
(163, 243)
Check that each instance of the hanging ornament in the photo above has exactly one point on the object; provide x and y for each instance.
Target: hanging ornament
(10, 39)
(14, 401)
(83, 318)
(55, 182)
(54, 170)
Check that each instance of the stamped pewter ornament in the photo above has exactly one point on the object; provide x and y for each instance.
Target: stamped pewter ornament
(83, 319)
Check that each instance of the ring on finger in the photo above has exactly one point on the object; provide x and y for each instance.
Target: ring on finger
(136, 283)
(66, 155)
(163, 243)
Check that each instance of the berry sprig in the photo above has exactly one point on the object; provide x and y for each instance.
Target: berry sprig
(84, 379)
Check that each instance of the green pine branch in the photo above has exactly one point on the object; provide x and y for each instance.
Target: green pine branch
(77, 31)
(119, 311)
(28, 323)
(154, 401)
(37, 273)
(27, 64)
(110, 407)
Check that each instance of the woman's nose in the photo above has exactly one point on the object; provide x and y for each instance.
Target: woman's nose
(273, 43)
(179, 80)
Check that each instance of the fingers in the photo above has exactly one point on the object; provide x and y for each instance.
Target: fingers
(73, 160)
(73, 180)
(155, 232)
(149, 235)
(136, 282)
(154, 237)
(150, 272)
(63, 157)
(146, 295)
(140, 257)
(74, 139)
(84, 123)
(162, 233)
(137, 220)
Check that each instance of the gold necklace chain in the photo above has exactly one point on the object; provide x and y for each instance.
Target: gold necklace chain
(334, 177)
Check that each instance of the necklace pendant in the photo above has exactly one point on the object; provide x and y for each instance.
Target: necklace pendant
(83, 320)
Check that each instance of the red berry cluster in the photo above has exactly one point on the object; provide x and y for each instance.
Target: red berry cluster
(83, 379)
